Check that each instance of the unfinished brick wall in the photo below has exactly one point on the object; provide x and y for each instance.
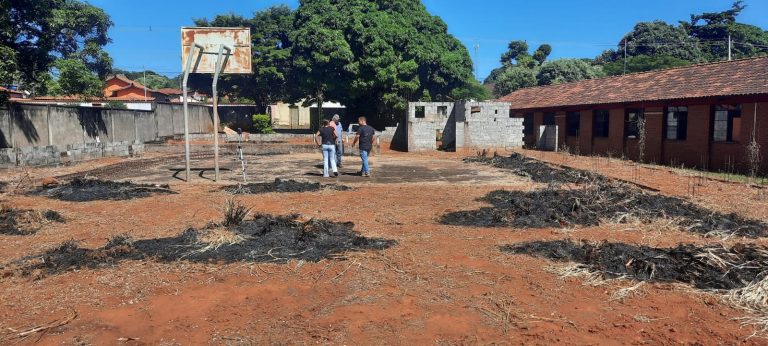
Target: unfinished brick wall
(466, 125)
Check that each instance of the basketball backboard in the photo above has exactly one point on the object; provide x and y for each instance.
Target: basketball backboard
(211, 38)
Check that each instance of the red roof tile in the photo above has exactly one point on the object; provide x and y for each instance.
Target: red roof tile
(170, 91)
(727, 78)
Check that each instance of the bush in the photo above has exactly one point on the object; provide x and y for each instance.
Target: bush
(262, 123)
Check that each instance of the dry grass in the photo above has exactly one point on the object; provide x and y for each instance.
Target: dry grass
(212, 240)
(234, 212)
(577, 270)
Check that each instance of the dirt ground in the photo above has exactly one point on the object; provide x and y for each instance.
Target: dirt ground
(440, 284)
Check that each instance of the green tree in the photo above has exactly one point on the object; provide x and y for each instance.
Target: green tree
(659, 39)
(38, 33)
(515, 50)
(471, 91)
(713, 29)
(542, 53)
(514, 78)
(375, 56)
(271, 56)
(517, 56)
(74, 78)
(567, 70)
(642, 63)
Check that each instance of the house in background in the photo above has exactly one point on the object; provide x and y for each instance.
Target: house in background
(12, 94)
(287, 116)
(698, 116)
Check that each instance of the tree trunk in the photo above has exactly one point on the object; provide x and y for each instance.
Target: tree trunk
(319, 109)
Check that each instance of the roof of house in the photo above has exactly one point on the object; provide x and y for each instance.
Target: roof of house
(727, 78)
(170, 91)
(6, 90)
(81, 98)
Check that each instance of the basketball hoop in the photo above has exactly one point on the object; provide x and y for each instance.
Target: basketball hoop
(206, 48)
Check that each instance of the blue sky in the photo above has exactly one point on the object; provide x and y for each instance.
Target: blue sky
(146, 33)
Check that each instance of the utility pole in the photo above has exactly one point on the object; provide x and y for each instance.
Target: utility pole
(729, 47)
(625, 56)
(477, 47)
(145, 82)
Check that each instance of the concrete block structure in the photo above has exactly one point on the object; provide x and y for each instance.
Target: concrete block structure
(702, 116)
(462, 124)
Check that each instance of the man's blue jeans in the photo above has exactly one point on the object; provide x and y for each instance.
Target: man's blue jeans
(364, 157)
(329, 158)
(339, 153)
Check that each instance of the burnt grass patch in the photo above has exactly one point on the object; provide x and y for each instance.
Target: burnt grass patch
(595, 199)
(282, 185)
(707, 267)
(25, 221)
(595, 204)
(261, 239)
(538, 171)
(86, 190)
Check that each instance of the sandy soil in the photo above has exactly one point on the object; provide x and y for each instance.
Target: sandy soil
(440, 284)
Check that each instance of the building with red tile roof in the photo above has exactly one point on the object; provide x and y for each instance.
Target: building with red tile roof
(698, 116)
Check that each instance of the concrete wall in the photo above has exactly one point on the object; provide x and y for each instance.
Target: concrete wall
(35, 131)
(488, 125)
(422, 132)
(464, 125)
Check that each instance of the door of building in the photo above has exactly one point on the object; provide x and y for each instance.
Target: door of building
(294, 115)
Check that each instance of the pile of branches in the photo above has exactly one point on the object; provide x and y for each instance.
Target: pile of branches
(707, 267)
(85, 190)
(538, 171)
(281, 185)
(262, 238)
(600, 202)
(25, 221)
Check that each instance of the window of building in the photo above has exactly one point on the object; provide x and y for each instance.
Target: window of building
(572, 123)
(442, 110)
(600, 123)
(631, 120)
(549, 119)
(676, 123)
(727, 123)
(511, 114)
(475, 109)
(420, 111)
(528, 124)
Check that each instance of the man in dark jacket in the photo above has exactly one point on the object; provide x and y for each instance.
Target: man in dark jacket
(365, 135)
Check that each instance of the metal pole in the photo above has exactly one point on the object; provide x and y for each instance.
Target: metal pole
(145, 83)
(186, 107)
(729, 47)
(220, 64)
(625, 56)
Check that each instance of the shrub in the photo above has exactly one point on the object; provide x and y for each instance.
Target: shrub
(262, 123)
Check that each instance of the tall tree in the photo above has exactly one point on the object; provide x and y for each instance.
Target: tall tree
(713, 29)
(517, 55)
(271, 56)
(74, 78)
(34, 34)
(514, 78)
(567, 70)
(375, 56)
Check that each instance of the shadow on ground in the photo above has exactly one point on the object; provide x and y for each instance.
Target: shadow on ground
(283, 186)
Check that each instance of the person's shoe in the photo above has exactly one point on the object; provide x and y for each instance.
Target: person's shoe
(367, 175)
(335, 174)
